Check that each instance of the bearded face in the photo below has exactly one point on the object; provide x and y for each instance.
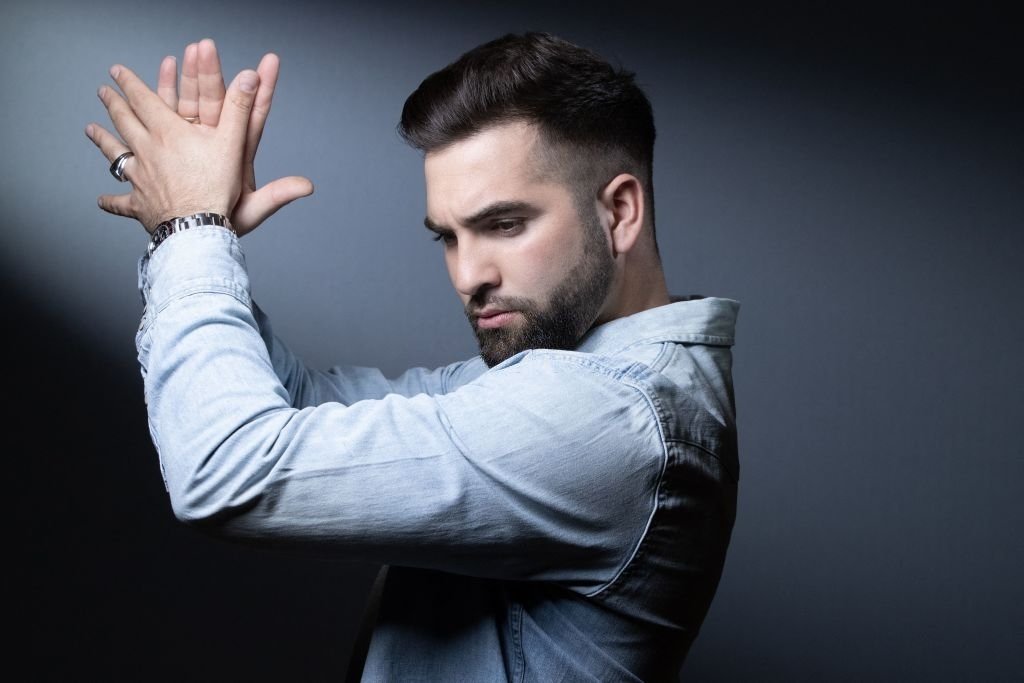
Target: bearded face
(524, 248)
(555, 321)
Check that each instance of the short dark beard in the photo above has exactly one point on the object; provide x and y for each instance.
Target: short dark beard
(571, 309)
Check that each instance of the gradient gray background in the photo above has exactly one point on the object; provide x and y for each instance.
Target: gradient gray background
(853, 176)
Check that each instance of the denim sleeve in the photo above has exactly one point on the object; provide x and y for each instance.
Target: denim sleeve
(343, 384)
(546, 467)
(347, 384)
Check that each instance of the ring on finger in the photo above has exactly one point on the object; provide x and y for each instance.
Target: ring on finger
(117, 166)
(191, 119)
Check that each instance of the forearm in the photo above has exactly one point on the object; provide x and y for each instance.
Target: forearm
(198, 341)
(223, 392)
(347, 384)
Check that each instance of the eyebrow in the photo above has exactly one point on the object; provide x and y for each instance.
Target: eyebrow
(490, 211)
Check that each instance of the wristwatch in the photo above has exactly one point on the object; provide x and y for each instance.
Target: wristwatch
(179, 223)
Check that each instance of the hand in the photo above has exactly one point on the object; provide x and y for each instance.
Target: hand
(201, 94)
(177, 168)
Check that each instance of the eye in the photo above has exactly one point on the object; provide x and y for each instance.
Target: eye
(508, 226)
(446, 237)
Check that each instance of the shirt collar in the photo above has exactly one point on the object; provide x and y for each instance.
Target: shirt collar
(691, 319)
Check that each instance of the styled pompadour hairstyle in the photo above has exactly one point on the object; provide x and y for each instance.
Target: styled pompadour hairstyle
(594, 119)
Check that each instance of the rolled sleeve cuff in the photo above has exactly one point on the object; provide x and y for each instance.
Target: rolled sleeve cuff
(203, 259)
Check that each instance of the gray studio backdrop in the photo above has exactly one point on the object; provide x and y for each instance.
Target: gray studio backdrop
(871, 231)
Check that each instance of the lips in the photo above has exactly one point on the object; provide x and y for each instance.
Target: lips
(493, 317)
(490, 312)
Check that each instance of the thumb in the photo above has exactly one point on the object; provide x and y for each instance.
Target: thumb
(255, 207)
(239, 100)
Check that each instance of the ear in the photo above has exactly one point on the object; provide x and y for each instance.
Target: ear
(622, 203)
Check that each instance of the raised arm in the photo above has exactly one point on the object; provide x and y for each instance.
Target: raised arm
(537, 470)
(199, 100)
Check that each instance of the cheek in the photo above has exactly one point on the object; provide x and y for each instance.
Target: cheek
(535, 270)
(541, 262)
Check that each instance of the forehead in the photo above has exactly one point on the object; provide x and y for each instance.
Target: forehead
(505, 162)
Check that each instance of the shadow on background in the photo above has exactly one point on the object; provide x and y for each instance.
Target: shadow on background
(108, 564)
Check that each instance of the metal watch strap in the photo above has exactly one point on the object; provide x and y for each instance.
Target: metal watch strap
(179, 223)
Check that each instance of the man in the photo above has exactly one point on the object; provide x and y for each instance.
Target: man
(557, 508)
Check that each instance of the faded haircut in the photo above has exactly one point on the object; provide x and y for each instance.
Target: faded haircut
(594, 120)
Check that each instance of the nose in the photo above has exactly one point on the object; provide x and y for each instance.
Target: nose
(472, 267)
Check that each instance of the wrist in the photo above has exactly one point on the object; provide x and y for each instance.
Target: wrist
(178, 224)
(180, 210)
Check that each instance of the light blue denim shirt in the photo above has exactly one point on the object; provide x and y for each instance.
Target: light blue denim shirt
(562, 516)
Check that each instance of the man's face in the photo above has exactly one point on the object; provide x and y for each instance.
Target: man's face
(531, 272)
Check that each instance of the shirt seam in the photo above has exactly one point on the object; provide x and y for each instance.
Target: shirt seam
(519, 670)
(692, 338)
(656, 497)
(705, 449)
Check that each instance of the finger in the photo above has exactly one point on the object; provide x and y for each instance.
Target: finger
(268, 70)
(110, 145)
(256, 207)
(122, 116)
(117, 204)
(166, 82)
(146, 104)
(188, 91)
(239, 99)
(211, 83)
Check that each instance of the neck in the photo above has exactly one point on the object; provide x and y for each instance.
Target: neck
(640, 286)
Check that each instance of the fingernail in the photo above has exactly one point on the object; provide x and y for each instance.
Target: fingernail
(248, 82)
(99, 93)
(114, 71)
(88, 130)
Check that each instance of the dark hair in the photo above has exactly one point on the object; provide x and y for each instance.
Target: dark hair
(595, 118)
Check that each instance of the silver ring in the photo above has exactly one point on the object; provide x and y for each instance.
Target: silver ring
(191, 119)
(117, 166)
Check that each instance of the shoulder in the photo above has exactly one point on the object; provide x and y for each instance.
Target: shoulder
(567, 381)
(559, 396)
(579, 404)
